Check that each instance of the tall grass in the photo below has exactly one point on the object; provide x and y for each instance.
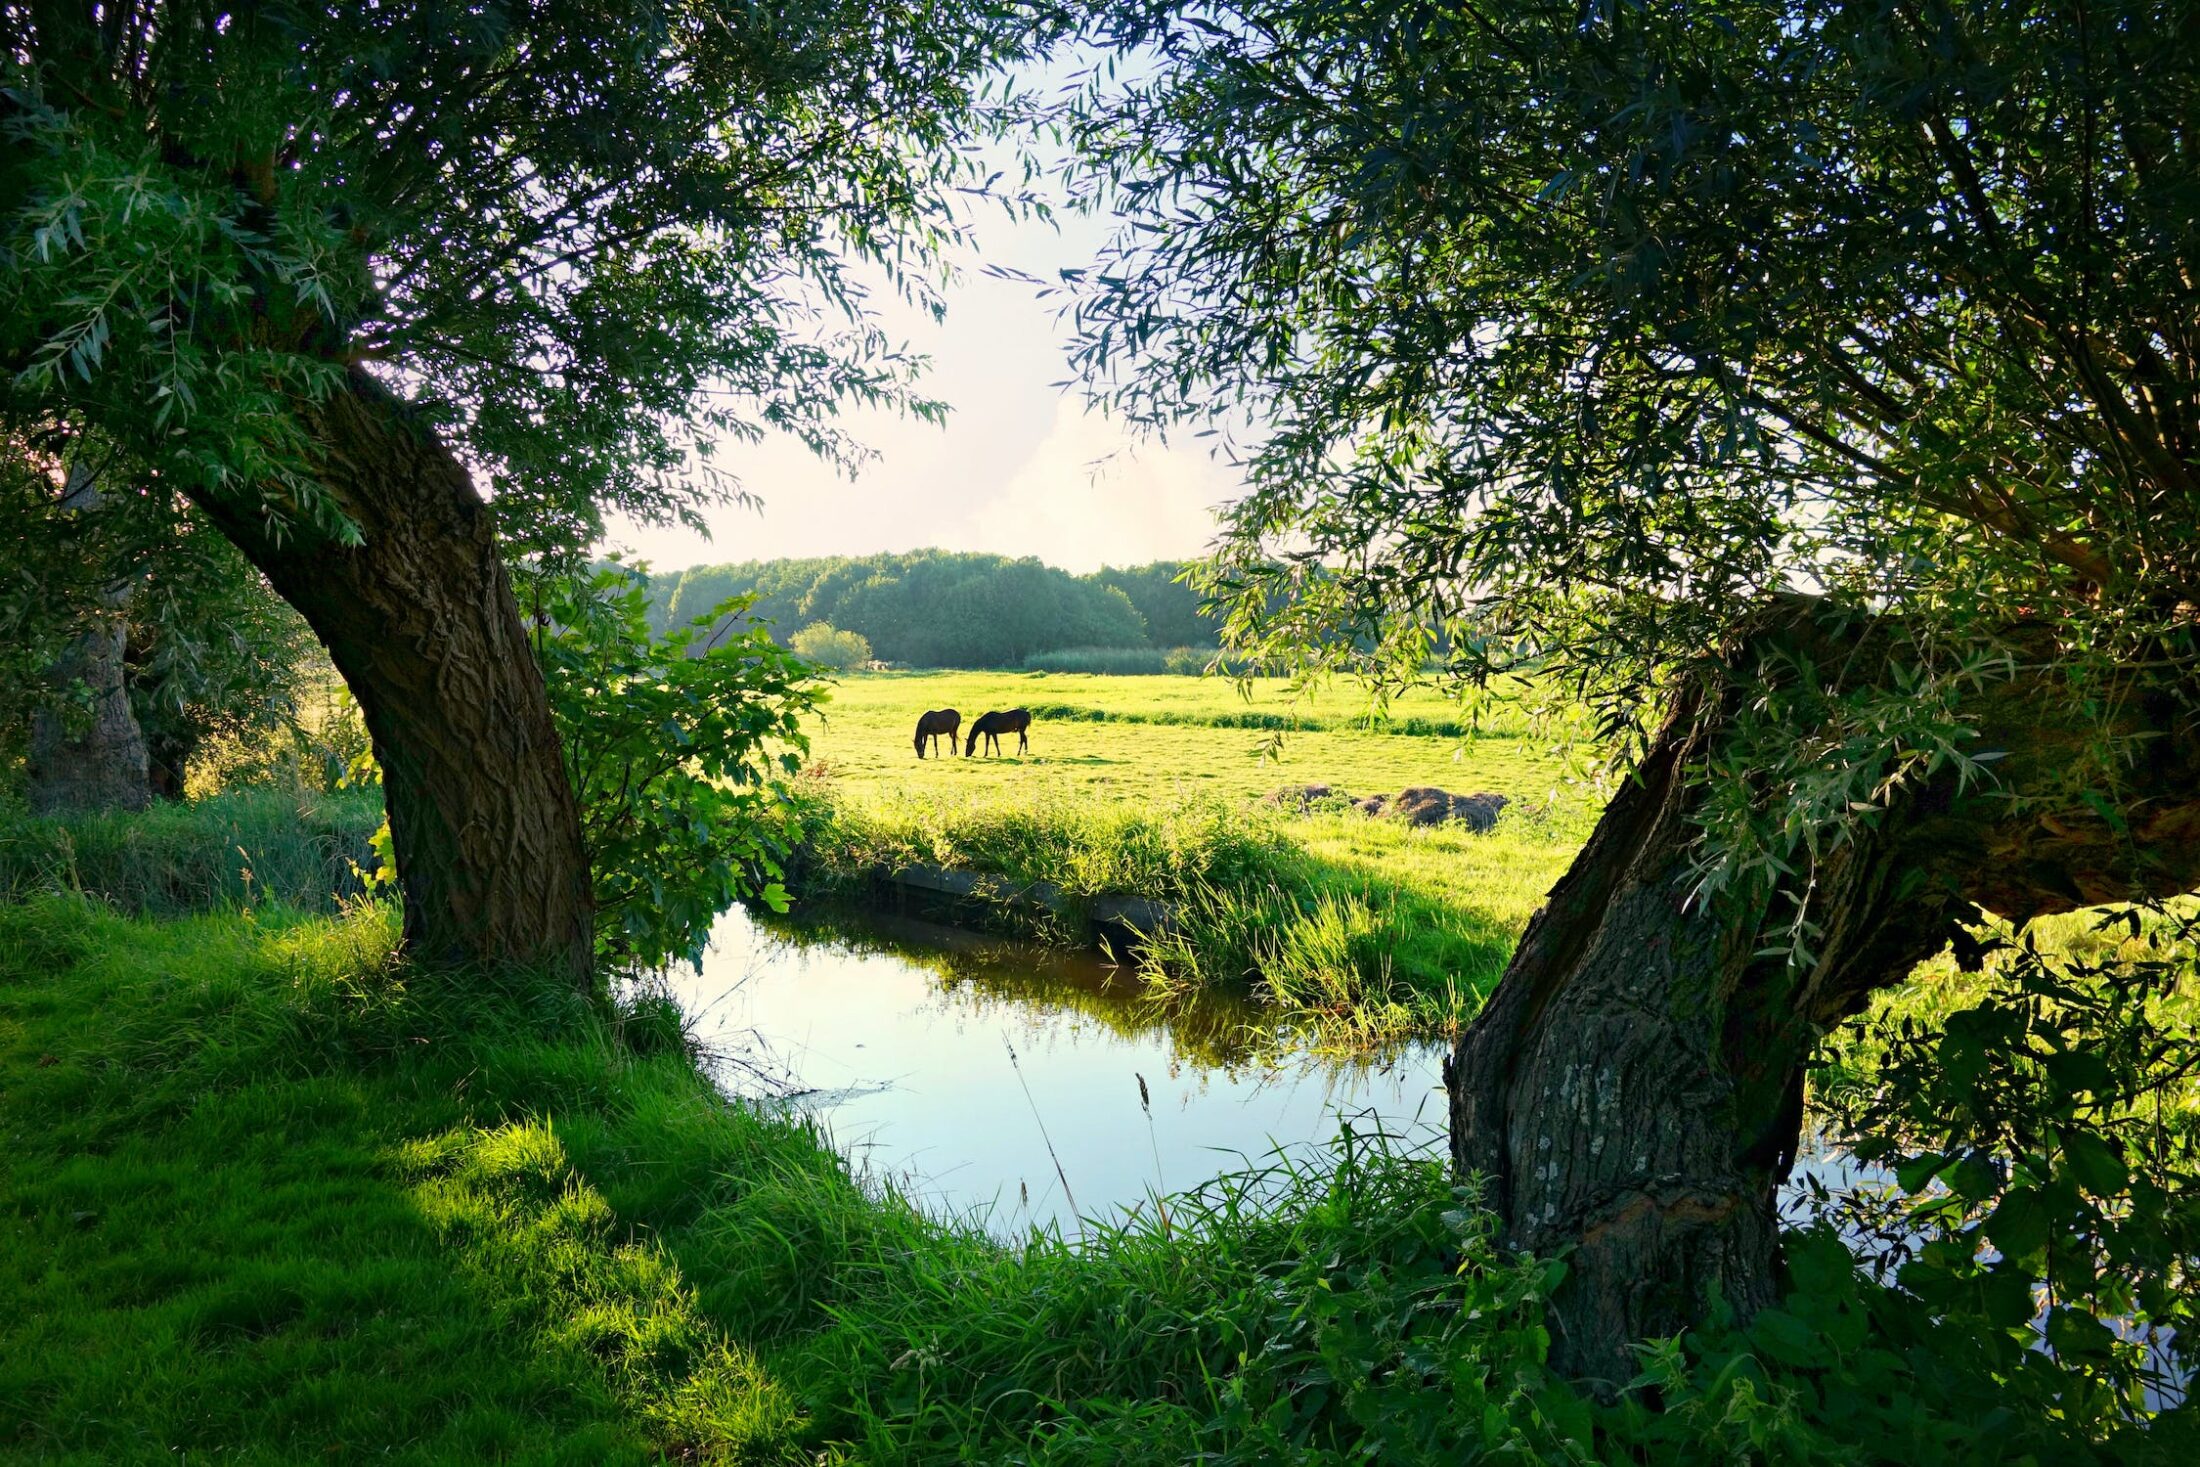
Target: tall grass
(1359, 956)
(272, 1196)
(237, 849)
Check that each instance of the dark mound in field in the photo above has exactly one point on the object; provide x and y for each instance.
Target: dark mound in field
(1302, 797)
(1421, 805)
(1428, 805)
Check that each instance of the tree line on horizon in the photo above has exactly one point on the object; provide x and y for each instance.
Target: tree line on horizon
(941, 608)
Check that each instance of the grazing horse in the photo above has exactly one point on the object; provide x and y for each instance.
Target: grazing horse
(991, 726)
(938, 724)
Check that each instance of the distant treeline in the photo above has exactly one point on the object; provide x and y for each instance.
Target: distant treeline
(937, 608)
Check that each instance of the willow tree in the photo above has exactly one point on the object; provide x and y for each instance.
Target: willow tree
(1825, 375)
(388, 289)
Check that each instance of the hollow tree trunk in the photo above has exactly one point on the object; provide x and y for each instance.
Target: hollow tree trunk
(420, 620)
(1634, 1089)
(97, 761)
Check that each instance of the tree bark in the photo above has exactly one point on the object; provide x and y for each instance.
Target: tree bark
(420, 620)
(1634, 1089)
(98, 762)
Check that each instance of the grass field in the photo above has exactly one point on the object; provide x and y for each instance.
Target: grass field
(1171, 739)
(1368, 929)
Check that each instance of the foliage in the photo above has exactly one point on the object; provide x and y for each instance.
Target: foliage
(320, 748)
(213, 654)
(1572, 333)
(671, 744)
(1165, 600)
(276, 1196)
(825, 645)
(928, 608)
(2041, 1154)
(590, 240)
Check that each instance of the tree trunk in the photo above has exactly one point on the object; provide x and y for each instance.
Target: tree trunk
(94, 762)
(420, 620)
(1634, 1089)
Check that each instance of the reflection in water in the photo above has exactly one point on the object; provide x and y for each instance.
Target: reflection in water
(1029, 1085)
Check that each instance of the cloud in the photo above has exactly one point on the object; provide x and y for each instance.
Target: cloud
(1090, 494)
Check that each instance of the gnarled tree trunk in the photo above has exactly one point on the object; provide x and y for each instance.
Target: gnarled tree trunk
(96, 762)
(420, 620)
(1634, 1089)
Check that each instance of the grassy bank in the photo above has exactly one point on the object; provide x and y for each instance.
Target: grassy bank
(1362, 931)
(272, 1197)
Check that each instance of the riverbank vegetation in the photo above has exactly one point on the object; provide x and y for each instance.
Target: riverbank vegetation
(277, 1194)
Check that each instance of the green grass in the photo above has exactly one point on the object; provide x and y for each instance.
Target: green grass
(235, 849)
(270, 1196)
(1363, 931)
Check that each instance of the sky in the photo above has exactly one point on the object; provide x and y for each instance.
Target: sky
(1020, 468)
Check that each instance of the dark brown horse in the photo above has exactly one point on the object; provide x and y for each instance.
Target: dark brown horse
(938, 724)
(991, 726)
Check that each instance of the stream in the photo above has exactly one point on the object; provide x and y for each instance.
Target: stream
(1013, 1084)
(1017, 1085)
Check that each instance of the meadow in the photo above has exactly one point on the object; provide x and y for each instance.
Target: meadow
(1367, 930)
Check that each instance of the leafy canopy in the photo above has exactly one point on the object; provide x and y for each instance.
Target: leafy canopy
(1573, 332)
(593, 237)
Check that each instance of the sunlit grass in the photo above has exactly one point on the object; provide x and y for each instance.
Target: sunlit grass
(270, 1195)
(1362, 930)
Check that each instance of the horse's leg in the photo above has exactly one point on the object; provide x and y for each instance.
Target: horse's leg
(1023, 741)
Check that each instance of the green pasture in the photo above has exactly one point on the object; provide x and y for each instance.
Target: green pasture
(1368, 929)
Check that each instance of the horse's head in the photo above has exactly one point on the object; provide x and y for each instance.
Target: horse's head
(972, 747)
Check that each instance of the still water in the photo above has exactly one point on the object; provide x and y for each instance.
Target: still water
(1019, 1084)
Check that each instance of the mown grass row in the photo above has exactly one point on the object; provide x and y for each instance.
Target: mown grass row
(271, 1195)
(1408, 726)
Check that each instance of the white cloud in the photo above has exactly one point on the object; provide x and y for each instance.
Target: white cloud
(1090, 494)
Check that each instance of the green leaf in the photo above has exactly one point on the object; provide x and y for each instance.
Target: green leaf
(2018, 1227)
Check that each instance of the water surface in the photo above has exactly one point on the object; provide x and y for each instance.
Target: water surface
(1024, 1084)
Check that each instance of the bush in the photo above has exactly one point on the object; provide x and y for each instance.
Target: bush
(675, 746)
(828, 646)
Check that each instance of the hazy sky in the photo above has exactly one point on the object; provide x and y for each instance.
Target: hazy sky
(1020, 468)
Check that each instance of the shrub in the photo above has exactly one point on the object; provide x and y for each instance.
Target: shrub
(674, 745)
(826, 645)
